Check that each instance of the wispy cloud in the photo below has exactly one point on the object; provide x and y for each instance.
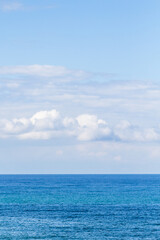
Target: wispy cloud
(11, 6)
(43, 71)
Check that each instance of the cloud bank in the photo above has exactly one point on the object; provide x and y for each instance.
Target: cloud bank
(26, 89)
(85, 127)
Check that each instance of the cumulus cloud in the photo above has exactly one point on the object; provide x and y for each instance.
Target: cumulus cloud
(36, 127)
(45, 119)
(85, 127)
(91, 128)
(43, 71)
(127, 132)
(14, 126)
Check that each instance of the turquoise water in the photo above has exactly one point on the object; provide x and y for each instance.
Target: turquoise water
(80, 207)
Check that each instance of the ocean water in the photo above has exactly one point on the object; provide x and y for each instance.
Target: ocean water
(80, 207)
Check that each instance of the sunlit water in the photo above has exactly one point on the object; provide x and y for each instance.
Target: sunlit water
(80, 207)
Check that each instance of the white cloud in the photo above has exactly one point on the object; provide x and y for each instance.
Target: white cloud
(36, 135)
(11, 6)
(45, 119)
(105, 105)
(127, 132)
(92, 128)
(43, 71)
(146, 135)
(15, 126)
(112, 101)
(85, 127)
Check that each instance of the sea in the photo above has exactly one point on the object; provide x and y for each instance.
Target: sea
(88, 207)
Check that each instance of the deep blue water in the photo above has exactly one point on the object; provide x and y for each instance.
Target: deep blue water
(80, 207)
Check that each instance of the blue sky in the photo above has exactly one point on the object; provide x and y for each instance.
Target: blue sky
(118, 37)
(80, 89)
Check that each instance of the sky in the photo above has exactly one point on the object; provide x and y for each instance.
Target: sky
(79, 87)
